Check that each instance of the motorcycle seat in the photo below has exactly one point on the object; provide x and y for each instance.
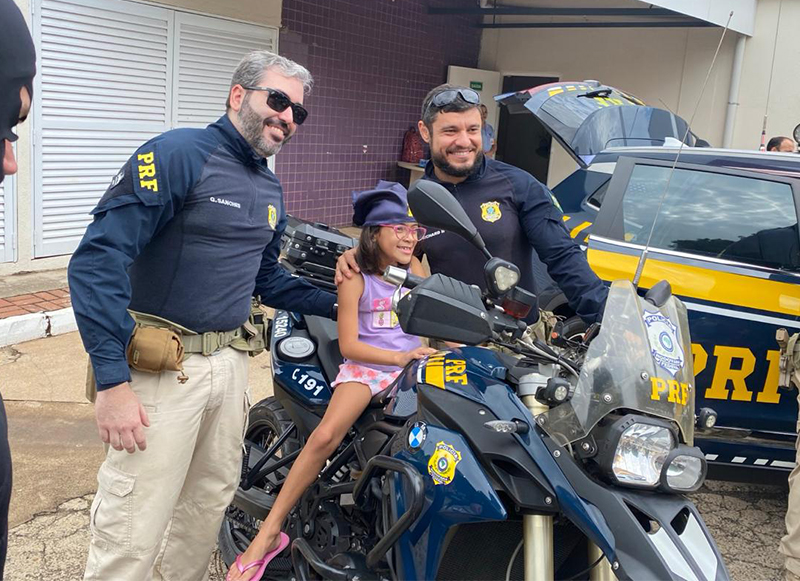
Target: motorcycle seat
(326, 334)
(380, 399)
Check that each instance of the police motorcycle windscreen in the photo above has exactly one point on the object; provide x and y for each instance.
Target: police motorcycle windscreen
(640, 361)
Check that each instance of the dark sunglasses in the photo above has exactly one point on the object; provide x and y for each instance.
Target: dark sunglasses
(280, 101)
(450, 96)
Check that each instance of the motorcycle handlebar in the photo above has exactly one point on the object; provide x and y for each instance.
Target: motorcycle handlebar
(400, 276)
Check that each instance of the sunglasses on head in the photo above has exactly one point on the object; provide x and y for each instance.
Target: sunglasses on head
(450, 96)
(280, 101)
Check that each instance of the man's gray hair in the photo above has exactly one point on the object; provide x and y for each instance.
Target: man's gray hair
(254, 64)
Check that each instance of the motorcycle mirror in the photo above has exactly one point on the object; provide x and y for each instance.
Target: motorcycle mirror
(434, 206)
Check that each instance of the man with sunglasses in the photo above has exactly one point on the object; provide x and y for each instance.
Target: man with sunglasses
(513, 212)
(186, 234)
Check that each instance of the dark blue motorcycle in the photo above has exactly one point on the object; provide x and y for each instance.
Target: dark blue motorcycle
(513, 460)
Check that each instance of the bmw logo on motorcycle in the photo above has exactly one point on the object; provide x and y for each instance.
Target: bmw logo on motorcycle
(417, 435)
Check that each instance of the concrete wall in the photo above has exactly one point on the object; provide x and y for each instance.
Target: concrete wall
(744, 11)
(656, 65)
(265, 12)
(783, 111)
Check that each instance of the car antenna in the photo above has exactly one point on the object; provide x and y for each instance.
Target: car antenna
(643, 258)
(763, 146)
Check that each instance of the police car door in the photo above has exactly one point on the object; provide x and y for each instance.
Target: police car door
(728, 243)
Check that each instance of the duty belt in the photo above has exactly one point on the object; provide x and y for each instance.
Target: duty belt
(208, 343)
(248, 337)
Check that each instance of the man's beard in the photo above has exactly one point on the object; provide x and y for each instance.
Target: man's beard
(440, 162)
(253, 126)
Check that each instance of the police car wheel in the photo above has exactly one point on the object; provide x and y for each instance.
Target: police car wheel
(267, 420)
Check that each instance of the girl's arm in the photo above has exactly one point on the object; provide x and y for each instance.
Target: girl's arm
(350, 291)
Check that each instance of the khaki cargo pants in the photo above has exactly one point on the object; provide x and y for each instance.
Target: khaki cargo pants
(157, 513)
(790, 543)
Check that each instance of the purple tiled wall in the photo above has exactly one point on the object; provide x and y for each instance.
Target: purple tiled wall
(373, 61)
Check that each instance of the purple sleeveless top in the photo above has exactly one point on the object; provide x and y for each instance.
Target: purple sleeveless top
(377, 323)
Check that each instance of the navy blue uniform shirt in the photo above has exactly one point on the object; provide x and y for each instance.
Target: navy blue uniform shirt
(515, 215)
(189, 230)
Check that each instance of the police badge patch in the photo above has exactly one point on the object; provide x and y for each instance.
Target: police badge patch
(442, 465)
(272, 216)
(663, 336)
(490, 211)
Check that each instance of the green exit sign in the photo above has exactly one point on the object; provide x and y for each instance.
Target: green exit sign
(477, 85)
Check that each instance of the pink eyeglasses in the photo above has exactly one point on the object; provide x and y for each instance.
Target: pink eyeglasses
(402, 231)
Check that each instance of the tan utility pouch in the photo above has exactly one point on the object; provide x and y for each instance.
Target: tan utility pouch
(155, 349)
(152, 350)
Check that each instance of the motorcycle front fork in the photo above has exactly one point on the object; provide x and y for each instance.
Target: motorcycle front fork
(537, 534)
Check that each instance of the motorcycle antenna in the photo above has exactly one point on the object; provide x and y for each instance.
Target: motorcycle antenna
(643, 257)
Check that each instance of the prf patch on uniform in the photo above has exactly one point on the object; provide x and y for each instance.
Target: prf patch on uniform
(272, 216)
(490, 211)
(442, 465)
(146, 167)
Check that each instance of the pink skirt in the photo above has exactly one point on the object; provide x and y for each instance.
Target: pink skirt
(374, 379)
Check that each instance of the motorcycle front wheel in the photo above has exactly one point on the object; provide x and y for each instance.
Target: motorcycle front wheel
(267, 420)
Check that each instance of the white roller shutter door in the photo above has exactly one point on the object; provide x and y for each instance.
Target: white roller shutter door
(103, 90)
(206, 53)
(114, 74)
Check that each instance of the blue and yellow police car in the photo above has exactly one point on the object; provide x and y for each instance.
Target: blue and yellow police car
(721, 227)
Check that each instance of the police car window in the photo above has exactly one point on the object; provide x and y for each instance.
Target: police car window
(731, 217)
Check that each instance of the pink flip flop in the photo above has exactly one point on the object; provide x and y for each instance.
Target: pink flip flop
(261, 563)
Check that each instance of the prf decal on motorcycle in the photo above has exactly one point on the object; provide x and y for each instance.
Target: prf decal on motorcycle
(308, 382)
(676, 392)
(442, 465)
(439, 371)
(663, 336)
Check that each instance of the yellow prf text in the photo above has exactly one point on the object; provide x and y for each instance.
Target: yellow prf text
(676, 392)
(147, 169)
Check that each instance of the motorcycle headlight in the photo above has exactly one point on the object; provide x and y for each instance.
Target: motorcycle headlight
(684, 470)
(635, 450)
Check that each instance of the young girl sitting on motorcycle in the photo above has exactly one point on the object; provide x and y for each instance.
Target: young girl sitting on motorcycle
(375, 350)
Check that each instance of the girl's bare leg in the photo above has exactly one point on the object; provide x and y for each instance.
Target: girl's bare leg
(348, 402)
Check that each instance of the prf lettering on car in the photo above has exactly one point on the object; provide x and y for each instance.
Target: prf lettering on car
(734, 365)
(147, 169)
(675, 392)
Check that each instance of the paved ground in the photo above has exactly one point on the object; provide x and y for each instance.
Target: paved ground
(56, 454)
(37, 302)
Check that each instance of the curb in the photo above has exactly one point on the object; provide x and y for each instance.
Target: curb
(36, 326)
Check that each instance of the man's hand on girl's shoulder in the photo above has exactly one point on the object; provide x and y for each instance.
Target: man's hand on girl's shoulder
(346, 266)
